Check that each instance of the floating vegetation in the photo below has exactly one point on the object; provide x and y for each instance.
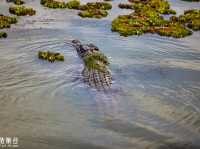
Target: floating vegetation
(176, 30)
(90, 9)
(94, 9)
(160, 6)
(93, 13)
(18, 2)
(22, 11)
(3, 34)
(137, 23)
(150, 21)
(53, 4)
(96, 5)
(147, 19)
(125, 6)
(73, 4)
(6, 21)
(191, 18)
(50, 56)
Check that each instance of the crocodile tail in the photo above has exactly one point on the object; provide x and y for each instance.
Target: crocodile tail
(97, 79)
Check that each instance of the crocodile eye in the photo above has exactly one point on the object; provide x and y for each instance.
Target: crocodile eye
(75, 41)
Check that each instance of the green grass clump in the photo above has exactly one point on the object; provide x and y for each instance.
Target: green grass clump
(53, 4)
(6, 21)
(137, 23)
(148, 21)
(125, 6)
(18, 2)
(50, 56)
(22, 11)
(90, 10)
(175, 30)
(160, 6)
(94, 10)
(96, 60)
(73, 4)
(96, 5)
(191, 18)
(93, 13)
(3, 34)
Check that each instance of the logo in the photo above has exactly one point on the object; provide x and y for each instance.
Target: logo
(9, 142)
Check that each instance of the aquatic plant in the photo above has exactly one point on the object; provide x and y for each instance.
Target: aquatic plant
(191, 18)
(149, 21)
(96, 60)
(96, 5)
(73, 4)
(50, 56)
(94, 10)
(6, 21)
(176, 30)
(93, 13)
(53, 4)
(90, 9)
(22, 10)
(160, 6)
(136, 23)
(18, 2)
(125, 6)
(3, 34)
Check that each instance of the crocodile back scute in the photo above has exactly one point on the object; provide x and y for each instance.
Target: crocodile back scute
(97, 79)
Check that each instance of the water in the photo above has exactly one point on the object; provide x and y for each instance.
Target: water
(154, 102)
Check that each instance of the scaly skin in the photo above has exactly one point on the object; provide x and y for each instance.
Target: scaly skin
(95, 78)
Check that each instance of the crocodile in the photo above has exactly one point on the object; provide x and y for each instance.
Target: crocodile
(96, 74)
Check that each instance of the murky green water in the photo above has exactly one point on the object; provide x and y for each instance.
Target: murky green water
(155, 98)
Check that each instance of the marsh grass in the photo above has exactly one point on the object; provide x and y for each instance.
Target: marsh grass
(50, 56)
(22, 10)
